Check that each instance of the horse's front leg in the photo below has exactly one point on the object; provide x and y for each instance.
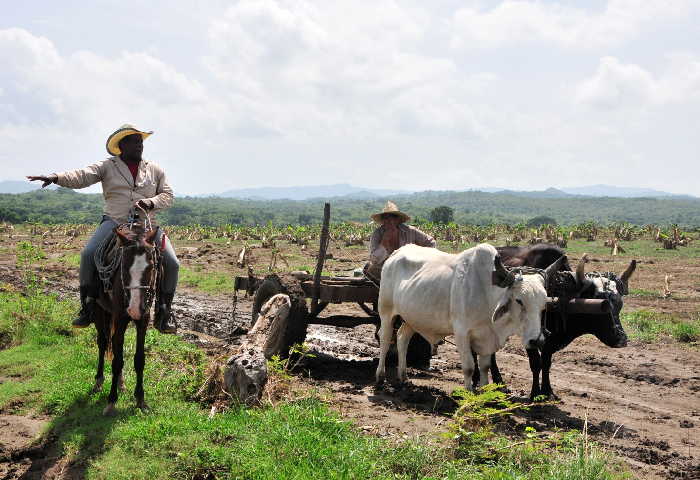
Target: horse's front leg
(117, 364)
(139, 363)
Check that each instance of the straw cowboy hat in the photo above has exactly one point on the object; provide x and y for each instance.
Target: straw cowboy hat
(390, 208)
(121, 132)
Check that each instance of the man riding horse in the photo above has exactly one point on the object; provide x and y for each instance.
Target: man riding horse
(128, 182)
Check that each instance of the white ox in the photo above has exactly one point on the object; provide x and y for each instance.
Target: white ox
(438, 294)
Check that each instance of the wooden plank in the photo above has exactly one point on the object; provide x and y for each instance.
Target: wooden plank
(323, 245)
(344, 321)
(343, 293)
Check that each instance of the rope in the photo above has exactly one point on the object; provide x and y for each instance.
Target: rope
(106, 271)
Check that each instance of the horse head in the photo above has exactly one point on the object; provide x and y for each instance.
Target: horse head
(138, 268)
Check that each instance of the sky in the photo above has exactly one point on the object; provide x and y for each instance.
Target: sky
(415, 95)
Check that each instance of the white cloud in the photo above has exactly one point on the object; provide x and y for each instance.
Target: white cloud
(302, 69)
(618, 85)
(514, 22)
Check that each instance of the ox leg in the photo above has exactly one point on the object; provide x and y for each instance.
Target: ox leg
(546, 366)
(495, 372)
(139, 363)
(403, 337)
(533, 356)
(483, 367)
(476, 376)
(465, 356)
(117, 366)
(386, 332)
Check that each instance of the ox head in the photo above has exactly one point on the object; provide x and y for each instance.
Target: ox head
(520, 308)
(138, 261)
(606, 286)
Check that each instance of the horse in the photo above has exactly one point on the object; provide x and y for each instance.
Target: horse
(133, 276)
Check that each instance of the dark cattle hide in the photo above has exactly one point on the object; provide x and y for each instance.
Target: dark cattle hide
(563, 328)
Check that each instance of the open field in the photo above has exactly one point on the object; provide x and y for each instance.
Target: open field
(640, 403)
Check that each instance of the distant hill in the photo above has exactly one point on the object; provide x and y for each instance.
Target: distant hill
(620, 192)
(16, 186)
(308, 192)
(549, 193)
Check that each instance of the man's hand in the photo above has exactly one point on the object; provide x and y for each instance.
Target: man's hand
(48, 180)
(145, 204)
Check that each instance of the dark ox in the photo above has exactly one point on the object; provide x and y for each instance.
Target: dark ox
(563, 328)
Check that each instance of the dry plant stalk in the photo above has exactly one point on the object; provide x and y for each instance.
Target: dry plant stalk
(667, 286)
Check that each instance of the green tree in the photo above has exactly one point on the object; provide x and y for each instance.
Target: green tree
(442, 214)
(541, 220)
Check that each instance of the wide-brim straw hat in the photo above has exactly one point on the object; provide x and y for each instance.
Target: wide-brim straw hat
(123, 131)
(390, 207)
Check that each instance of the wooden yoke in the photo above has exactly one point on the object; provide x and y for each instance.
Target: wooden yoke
(323, 246)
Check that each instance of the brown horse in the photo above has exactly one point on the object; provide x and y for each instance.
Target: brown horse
(133, 280)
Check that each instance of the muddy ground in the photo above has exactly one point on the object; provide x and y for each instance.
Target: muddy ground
(641, 402)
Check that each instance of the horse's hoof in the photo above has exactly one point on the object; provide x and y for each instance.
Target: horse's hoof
(97, 388)
(143, 406)
(110, 410)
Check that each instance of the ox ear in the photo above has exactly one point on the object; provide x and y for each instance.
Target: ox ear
(502, 308)
(581, 271)
(501, 277)
(627, 274)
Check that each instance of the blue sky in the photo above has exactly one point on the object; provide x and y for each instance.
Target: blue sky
(386, 94)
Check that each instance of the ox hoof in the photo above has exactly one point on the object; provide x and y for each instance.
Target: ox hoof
(110, 410)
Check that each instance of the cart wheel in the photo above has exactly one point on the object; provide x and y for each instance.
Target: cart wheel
(419, 352)
(270, 286)
(285, 332)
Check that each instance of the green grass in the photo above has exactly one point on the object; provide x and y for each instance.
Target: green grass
(208, 282)
(71, 259)
(49, 369)
(648, 327)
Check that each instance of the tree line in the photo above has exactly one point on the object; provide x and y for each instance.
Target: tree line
(477, 208)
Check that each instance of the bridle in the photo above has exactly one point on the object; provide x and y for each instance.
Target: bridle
(153, 256)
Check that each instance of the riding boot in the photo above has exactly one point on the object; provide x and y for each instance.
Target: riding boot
(87, 308)
(165, 321)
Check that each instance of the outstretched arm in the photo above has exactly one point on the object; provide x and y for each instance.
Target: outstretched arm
(81, 178)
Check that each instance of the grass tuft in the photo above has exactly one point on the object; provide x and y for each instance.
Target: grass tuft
(648, 326)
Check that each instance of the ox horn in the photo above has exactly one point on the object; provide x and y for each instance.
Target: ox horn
(628, 273)
(581, 270)
(501, 277)
(555, 266)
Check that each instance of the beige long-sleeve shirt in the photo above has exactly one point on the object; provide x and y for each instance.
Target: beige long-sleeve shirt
(407, 235)
(119, 189)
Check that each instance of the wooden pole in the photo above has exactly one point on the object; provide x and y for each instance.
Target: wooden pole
(321, 257)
